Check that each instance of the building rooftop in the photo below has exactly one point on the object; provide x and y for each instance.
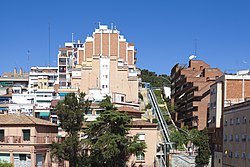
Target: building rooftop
(128, 109)
(23, 120)
(142, 123)
(15, 76)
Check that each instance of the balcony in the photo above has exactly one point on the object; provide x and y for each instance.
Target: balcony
(33, 140)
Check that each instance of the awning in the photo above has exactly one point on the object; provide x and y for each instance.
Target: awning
(44, 114)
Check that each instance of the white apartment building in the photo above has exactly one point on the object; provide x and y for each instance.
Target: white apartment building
(42, 78)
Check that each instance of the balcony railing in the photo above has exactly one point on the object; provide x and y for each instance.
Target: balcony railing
(32, 140)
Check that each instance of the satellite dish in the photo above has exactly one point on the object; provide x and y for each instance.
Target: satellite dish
(192, 57)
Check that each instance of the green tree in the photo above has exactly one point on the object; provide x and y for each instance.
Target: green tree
(154, 79)
(107, 104)
(70, 112)
(202, 159)
(178, 138)
(108, 140)
(5, 164)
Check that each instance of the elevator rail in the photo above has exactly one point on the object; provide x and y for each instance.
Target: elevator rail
(160, 118)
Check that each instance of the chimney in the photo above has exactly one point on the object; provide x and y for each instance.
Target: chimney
(15, 71)
(21, 71)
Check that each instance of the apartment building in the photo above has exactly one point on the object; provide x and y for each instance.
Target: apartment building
(103, 65)
(15, 78)
(236, 135)
(25, 141)
(148, 133)
(226, 91)
(190, 92)
(42, 78)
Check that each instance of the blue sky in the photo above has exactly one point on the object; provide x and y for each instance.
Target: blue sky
(163, 31)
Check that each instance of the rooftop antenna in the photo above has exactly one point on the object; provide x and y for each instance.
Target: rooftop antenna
(49, 44)
(112, 26)
(28, 57)
(195, 47)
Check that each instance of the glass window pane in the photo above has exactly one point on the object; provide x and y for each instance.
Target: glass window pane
(26, 135)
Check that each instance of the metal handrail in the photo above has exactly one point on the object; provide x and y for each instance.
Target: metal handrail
(160, 118)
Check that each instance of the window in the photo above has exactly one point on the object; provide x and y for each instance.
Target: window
(1, 135)
(231, 121)
(26, 135)
(122, 99)
(244, 136)
(54, 120)
(236, 137)
(225, 123)
(140, 157)
(236, 155)
(244, 120)
(22, 157)
(230, 154)
(225, 137)
(231, 137)
(89, 112)
(104, 86)
(141, 136)
(237, 120)
(243, 156)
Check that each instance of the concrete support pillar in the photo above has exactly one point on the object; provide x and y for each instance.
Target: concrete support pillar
(11, 157)
(47, 160)
(33, 158)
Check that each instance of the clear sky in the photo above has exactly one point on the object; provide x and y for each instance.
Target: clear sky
(164, 31)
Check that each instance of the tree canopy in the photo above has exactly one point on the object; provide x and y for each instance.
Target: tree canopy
(154, 79)
(5, 164)
(70, 112)
(107, 141)
(202, 159)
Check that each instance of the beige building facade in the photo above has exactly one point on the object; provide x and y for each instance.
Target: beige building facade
(147, 133)
(25, 141)
(102, 65)
(236, 135)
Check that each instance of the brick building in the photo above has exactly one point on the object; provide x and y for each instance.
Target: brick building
(226, 91)
(103, 65)
(190, 92)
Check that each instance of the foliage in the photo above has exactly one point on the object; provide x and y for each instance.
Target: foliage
(202, 159)
(148, 106)
(70, 112)
(108, 140)
(5, 164)
(178, 138)
(154, 120)
(154, 79)
(107, 104)
(158, 96)
(140, 96)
